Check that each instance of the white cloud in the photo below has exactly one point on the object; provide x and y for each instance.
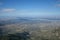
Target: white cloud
(8, 10)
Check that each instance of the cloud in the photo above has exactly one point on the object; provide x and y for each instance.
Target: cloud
(1, 3)
(58, 5)
(8, 10)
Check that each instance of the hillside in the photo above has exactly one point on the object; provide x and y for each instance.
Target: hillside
(38, 29)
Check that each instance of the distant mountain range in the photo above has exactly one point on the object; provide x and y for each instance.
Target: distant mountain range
(4, 21)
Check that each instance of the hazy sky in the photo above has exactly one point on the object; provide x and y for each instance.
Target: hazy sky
(30, 8)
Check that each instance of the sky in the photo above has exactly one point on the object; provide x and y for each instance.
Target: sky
(30, 8)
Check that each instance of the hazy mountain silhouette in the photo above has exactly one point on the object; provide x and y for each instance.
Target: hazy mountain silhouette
(24, 20)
